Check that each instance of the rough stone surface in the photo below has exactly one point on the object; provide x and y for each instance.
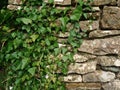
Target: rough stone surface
(17, 2)
(115, 85)
(111, 68)
(118, 2)
(82, 68)
(83, 86)
(73, 78)
(99, 76)
(108, 61)
(110, 18)
(13, 7)
(101, 46)
(118, 75)
(103, 33)
(88, 25)
(104, 2)
(61, 2)
(83, 57)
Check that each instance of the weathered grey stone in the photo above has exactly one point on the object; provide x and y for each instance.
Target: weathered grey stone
(88, 25)
(63, 35)
(104, 2)
(112, 69)
(61, 2)
(118, 75)
(103, 33)
(73, 78)
(115, 85)
(108, 61)
(83, 57)
(93, 15)
(13, 7)
(83, 86)
(99, 76)
(17, 2)
(111, 18)
(96, 9)
(101, 46)
(118, 2)
(82, 68)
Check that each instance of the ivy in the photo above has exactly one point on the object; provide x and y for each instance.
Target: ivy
(29, 48)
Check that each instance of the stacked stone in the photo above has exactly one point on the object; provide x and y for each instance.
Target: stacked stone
(97, 65)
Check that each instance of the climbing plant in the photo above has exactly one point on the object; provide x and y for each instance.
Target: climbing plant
(31, 51)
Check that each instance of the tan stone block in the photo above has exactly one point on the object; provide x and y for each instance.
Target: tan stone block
(110, 18)
(114, 85)
(99, 76)
(101, 46)
(103, 33)
(17, 2)
(89, 25)
(83, 86)
(82, 68)
(73, 78)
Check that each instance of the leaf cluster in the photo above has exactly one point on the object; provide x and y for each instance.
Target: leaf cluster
(29, 48)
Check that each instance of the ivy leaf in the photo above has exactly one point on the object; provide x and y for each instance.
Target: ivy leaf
(64, 50)
(75, 17)
(24, 63)
(32, 70)
(26, 20)
(34, 37)
(64, 20)
(47, 41)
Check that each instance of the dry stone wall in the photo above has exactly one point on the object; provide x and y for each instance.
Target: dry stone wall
(97, 65)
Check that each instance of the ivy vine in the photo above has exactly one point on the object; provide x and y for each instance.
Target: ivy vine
(31, 51)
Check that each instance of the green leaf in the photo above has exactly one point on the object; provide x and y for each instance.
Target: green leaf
(25, 61)
(64, 20)
(64, 50)
(34, 37)
(47, 41)
(75, 17)
(32, 70)
(26, 20)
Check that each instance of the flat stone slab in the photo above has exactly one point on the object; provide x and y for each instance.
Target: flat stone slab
(83, 57)
(103, 33)
(101, 46)
(110, 18)
(108, 61)
(83, 86)
(73, 78)
(99, 76)
(82, 68)
(114, 85)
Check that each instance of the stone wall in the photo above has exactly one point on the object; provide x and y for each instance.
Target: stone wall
(97, 65)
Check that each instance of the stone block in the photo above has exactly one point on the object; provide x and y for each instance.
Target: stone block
(83, 86)
(82, 68)
(89, 25)
(61, 2)
(13, 7)
(108, 61)
(111, 68)
(99, 76)
(83, 57)
(114, 85)
(118, 3)
(73, 78)
(110, 18)
(103, 33)
(101, 46)
(17, 2)
(103, 2)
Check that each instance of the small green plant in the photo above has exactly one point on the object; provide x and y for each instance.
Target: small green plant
(30, 51)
